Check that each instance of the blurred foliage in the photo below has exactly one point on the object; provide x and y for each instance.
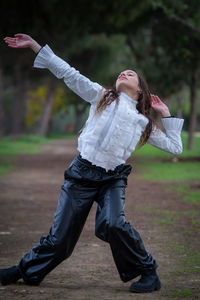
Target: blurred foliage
(160, 39)
(36, 100)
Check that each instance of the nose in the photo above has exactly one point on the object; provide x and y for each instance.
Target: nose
(122, 74)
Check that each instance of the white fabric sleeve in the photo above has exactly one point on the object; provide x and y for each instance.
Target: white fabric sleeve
(171, 141)
(79, 84)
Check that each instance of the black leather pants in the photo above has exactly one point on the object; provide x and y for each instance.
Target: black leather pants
(84, 184)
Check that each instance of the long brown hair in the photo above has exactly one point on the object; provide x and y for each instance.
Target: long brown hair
(143, 105)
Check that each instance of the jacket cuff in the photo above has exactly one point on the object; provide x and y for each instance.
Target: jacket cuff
(43, 57)
(173, 124)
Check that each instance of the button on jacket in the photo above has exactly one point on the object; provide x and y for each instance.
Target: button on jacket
(110, 137)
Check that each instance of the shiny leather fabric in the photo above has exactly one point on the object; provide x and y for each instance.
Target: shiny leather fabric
(84, 184)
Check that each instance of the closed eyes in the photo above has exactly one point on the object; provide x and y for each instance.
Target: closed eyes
(129, 74)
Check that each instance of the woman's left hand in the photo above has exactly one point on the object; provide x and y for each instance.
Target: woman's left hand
(21, 40)
(159, 106)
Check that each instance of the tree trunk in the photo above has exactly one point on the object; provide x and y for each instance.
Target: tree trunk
(180, 101)
(2, 113)
(19, 112)
(79, 113)
(193, 105)
(47, 109)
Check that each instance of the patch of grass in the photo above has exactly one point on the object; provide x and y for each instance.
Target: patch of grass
(26, 144)
(194, 217)
(190, 212)
(160, 171)
(6, 167)
(55, 136)
(192, 260)
(185, 293)
(167, 217)
(195, 221)
(190, 257)
(9, 150)
(145, 208)
(166, 171)
(194, 197)
(188, 193)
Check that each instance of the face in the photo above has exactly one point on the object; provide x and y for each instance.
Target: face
(127, 80)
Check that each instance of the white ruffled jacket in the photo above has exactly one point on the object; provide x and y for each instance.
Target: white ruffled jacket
(109, 138)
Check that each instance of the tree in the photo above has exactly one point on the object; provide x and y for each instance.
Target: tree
(47, 109)
(2, 113)
(165, 56)
(183, 45)
(19, 111)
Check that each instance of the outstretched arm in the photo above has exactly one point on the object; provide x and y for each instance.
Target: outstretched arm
(46, 58)
(171, 141)
(22, 40)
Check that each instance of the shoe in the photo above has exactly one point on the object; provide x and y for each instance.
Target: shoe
(148, 283)
(10, 275)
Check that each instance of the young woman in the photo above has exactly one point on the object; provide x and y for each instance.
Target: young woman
(119, 118)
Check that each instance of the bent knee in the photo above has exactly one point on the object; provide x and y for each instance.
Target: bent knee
(118, 225)
(101, 231)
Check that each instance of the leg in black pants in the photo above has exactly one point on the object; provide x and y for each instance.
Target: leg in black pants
(128, 250)
(73, 207)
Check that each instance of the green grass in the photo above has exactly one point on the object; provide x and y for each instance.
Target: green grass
(190, 257)
(157, 165)
(163, 216)
(169, 171)
(189, 194)
(26, 144)
(181, 294)
(6, 167)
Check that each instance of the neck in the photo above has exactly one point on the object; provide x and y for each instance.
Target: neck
(131, 94)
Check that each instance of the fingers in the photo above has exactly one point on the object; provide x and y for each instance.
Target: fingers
(154, 96)
(10, 41)
(155, 99)
(19, 34)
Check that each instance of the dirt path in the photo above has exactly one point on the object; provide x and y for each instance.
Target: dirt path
(169, 228)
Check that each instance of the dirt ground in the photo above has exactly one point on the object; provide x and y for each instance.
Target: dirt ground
(169, 228)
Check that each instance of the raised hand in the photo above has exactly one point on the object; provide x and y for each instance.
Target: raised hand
(159, 106)
(21, 40)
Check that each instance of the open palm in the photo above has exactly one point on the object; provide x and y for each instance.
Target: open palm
(157, 104)
(20, 40)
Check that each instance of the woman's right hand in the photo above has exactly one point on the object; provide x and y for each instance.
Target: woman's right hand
(21, 40)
